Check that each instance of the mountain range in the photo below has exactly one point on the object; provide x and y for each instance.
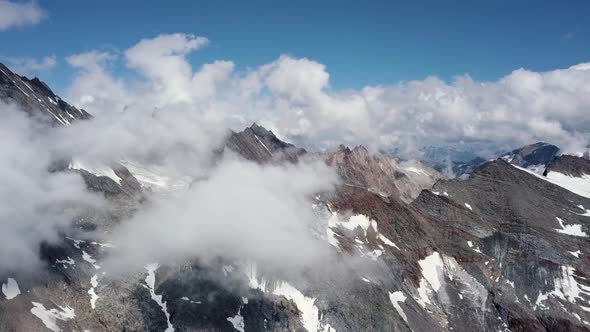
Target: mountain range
(502, 246)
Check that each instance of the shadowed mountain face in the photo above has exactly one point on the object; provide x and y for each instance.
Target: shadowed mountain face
(504, 249)
(258, 144)
(36, 98)
(535, 157)
(570, 165)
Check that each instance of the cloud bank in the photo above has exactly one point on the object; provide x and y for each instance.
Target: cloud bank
(18, 14)
(292, 97)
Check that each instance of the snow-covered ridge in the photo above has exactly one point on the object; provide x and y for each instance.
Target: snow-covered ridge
(577, 185)
(96, 169)
(574, 229)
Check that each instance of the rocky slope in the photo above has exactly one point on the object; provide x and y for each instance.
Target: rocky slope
(383, 174)
(258, 144)
(535, 157)
(36, 98)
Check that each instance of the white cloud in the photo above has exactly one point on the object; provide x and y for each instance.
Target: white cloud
(241, 210)
(90, 60)
(292, 96)
(162, 61)
(17, 14)
(28, 66)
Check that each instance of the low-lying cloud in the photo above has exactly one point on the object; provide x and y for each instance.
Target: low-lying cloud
(241, 211)
(35, 204)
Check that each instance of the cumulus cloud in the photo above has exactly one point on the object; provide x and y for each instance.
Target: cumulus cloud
(17, 14)
(36, 204)
(162, 61)
(292, 96)
(30, 66)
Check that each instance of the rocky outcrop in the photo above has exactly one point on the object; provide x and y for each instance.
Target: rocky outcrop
(460, 169)
(569, 165)
(258, 144)
(537, 155)
(36, 98)
(382, 174)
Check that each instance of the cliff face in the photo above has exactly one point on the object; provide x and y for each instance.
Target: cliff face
(37, 99)
(382, 174)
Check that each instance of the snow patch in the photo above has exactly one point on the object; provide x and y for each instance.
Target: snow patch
(396, 298)
(50, 317)
(237, 321)
(76, 242)
(475, 248)
(431, 268)
(89, 259)
(309, 312)
(150, 281)
(416, 170)
(354, 222)
(586, 213)
(10, 289)
(65, 262)
(468, 206)
(93, 296)
(573, 229)
(96, 169)
(577, 185)
(310, 317)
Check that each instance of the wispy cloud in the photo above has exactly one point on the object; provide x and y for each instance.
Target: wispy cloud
(18, 14)
(28, 66)
(568, 35)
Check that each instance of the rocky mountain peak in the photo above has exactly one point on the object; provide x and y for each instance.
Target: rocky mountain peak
(343, 149)
(538, 154)
(569, 165)
(36, 98)
(360, 150)
(380, 173)
(256, 143)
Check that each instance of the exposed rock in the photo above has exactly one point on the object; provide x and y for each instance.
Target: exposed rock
(37, 99)
(537, 155)
(258, 144)
(382, 174)
(569, 165)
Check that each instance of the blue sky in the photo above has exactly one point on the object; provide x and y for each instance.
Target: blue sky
(360, 42)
